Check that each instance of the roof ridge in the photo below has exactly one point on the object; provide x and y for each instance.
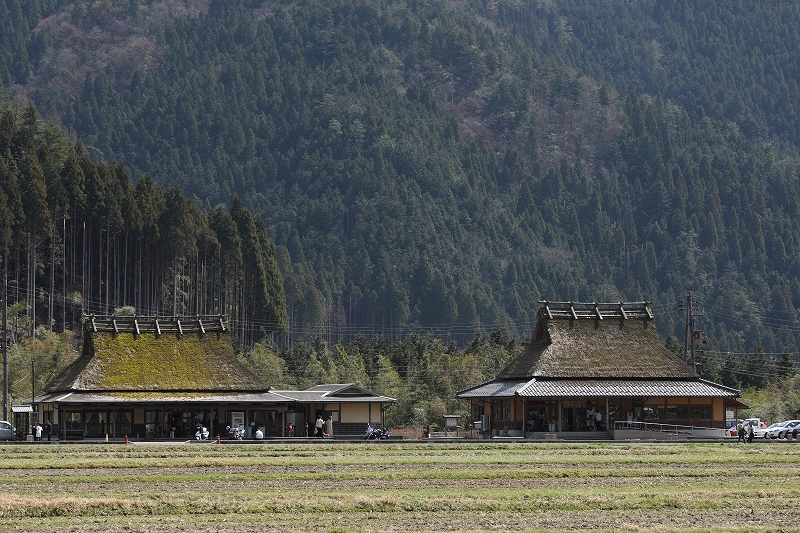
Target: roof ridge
(156, 324)
(594, 310)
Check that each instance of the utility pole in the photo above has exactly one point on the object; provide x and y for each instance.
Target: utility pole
(690, 334)
(688, 309)
(33, 382)
(5, 338)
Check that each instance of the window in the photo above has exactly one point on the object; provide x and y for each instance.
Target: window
(701, 412)
(501, 411)
(123, 423)
(477, 411)
(677, 412)
(653, 412)
(150, 423)
(74, 420)
(262, 417)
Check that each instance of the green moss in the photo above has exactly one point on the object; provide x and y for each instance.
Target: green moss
(149, 362)
(172, 396)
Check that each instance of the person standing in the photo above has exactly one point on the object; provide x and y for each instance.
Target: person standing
(318, 426)
(306, 433)
(37, 432)
(598, 421)
(740, 432)
(329, 426)
(750, 432)
(48, 429)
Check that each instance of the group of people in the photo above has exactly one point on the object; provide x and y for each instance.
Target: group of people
(322, 428)
(37, 430)
(745, 432)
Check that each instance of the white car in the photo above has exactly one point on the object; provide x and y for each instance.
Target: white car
(774, 429)
(755, 421)
(764, 432)
(788, 426)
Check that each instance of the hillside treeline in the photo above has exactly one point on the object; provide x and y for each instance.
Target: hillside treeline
(78, 238)
(440, 167)
(422, 372)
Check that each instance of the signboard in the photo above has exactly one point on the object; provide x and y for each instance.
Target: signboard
(237, 419)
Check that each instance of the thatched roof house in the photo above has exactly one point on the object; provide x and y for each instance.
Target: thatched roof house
(157, 356)
(159, 377)
(587, 358)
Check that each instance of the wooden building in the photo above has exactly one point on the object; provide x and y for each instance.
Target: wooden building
(157, 378)
(590, 358)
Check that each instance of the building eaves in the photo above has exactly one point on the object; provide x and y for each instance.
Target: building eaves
(121, 397)
(494, 389)
(624, 388)
(322, 396)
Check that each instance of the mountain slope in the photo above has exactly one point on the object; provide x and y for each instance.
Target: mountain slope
(446, 165)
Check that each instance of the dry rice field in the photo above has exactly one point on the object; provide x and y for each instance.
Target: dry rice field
(391, 486)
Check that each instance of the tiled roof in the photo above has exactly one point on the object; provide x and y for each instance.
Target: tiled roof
(320, 395)
(329, 387)
(161, 397)
(567, 388)
(596, 341)
(493, 389)
(335, 393)
(623, 388)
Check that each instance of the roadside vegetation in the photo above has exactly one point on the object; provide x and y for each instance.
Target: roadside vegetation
(400, 486)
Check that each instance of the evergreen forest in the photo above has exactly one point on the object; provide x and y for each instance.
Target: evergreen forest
(381, 191)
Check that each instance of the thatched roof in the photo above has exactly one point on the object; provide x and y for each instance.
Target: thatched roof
(596, 341)
(149, 354)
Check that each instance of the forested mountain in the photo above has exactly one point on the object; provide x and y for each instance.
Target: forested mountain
(442, 166)
(77, 237)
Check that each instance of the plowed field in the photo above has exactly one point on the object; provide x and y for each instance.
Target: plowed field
(481, 486)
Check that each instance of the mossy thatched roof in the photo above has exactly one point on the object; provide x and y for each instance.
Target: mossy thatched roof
(115, 358)
(585, 341)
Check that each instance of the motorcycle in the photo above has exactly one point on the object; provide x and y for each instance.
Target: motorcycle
(376, 433)
(235, 433)
(201, 433)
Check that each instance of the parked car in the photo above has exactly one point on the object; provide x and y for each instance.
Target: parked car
(733, 422)
(773, 430)
(764, 432)
(7, 431)
(791, 424)
(755, 421)
(733, 425)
